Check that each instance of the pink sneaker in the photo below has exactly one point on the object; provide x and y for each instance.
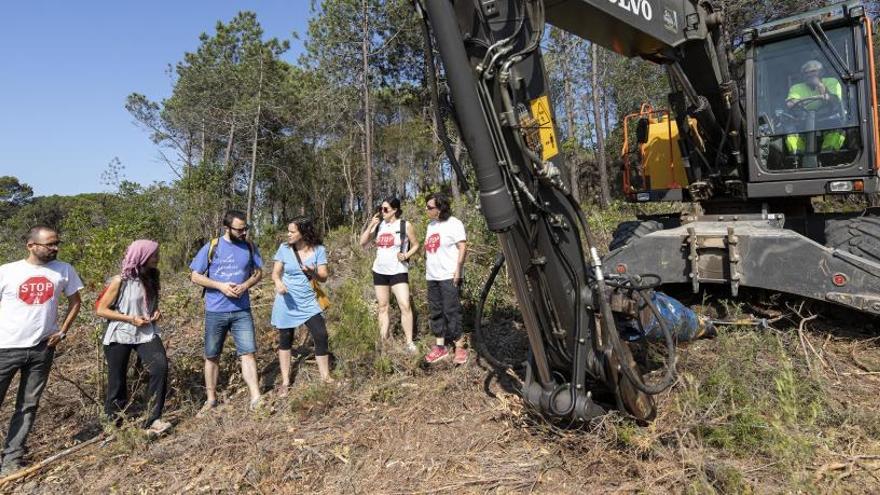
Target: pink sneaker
(461, 356)
(438, 353)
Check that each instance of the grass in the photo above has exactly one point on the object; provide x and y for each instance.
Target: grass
(313, 400)
(748, 409)
(753, 399)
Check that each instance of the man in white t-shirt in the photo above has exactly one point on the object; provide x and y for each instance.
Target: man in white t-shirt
(445, 252)
(29, 332)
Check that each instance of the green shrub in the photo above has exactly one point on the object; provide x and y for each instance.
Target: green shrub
(754, 400)
(354, 327)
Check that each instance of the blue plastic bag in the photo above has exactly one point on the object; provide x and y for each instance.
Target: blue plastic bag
(682, 321)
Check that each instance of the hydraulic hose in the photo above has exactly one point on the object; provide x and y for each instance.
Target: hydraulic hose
(608, 318)
(669, 375)
(482, 348)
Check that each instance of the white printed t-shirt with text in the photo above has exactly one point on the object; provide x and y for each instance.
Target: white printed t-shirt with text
(29, 300)
(387, 247)
(441, 258)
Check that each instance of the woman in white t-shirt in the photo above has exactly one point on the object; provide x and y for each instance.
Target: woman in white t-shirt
(396, 242)
(445, 252)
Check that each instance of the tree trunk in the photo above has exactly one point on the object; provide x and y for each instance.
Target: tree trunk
(606, 118)
(604, 192)
(253, 179)
(204, 145)
(457, 152)
(368, 131)
(228, 173)
(568, 102)
(345, 161)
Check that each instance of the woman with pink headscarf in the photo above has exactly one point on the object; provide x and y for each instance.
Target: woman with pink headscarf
(131, 306)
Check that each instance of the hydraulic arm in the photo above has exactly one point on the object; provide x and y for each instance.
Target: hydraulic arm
(730, 152)
(491, 56)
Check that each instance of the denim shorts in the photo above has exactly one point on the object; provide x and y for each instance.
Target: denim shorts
(239, 323)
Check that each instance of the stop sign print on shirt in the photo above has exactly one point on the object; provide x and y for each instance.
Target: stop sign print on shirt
(432, 243)
(36, 290)
(385, 240)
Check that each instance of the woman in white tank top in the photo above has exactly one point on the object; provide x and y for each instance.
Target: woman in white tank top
(395, 242)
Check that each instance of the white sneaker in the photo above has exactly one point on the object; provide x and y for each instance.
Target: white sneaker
(412, 348)
(158, 427)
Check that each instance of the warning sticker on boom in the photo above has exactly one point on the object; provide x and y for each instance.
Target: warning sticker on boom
(541, 112)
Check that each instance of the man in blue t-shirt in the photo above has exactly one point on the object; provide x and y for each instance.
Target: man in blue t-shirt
(227, 267)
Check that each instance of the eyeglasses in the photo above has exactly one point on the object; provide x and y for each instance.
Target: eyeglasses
(48, 245)
(429, 207)
(243, 229)
(385, 209)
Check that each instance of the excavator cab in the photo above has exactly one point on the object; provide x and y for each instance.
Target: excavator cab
(811, 104)
(810, 86)
(808, 90)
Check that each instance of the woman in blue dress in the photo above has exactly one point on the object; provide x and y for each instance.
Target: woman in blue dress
(297, 261)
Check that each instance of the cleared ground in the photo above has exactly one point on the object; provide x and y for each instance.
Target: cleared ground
(789, 409)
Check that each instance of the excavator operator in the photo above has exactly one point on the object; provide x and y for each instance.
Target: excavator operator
(817, 94)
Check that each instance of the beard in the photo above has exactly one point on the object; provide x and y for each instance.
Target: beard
(47, 256)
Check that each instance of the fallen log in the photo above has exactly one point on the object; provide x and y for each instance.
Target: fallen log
(49, 460)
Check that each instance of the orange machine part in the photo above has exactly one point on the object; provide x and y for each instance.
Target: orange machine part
(654, 118)
(873, 92)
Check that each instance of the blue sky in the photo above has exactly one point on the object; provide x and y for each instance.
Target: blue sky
(67, 68)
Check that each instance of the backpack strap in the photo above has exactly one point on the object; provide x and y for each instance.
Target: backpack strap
(122, 283)
(212, 250)
(299, 261)
(402, 235)
(251, 260)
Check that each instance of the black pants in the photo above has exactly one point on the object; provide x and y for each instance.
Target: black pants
(444, 309)
(153, 357)
(318, 329)
(34, 364)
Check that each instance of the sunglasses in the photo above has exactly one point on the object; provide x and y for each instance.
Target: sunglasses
(429, 207)
(49, 245)
(243, 229)
(385, 209)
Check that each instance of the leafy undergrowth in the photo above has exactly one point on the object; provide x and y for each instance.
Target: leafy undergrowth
(754, 411)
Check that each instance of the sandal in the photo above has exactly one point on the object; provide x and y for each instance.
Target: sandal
(207, 407)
